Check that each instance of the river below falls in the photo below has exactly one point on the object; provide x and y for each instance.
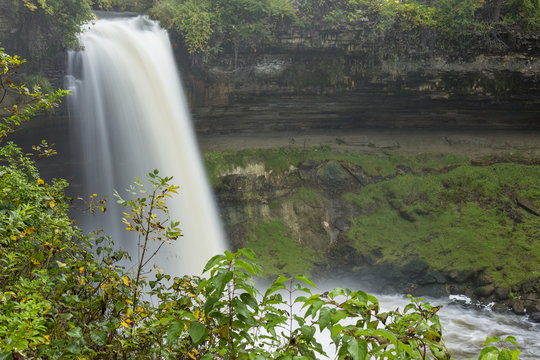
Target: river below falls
(465, 327)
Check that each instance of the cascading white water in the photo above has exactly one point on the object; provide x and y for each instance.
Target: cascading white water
(129, 115)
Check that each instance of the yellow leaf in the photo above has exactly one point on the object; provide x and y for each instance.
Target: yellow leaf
(32, 7)
(124, 324)
(125, 279)
(13, 237)
(81, 269)
(61, 264)
(40, 181)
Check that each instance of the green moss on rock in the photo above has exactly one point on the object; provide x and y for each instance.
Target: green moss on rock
(464, 219)
(278, 252)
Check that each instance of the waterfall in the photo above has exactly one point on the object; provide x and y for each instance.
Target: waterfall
(129, 117)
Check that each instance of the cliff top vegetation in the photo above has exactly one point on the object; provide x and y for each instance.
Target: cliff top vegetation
(209, 26)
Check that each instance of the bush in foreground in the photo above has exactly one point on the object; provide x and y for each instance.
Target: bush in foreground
(65, 296)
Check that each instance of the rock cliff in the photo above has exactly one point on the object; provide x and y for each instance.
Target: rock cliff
(318, 80)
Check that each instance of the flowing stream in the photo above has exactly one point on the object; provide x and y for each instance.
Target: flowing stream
(466, 327)
(130, 117)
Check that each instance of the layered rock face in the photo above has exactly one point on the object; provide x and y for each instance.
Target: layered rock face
(328, 81)
(8, 27)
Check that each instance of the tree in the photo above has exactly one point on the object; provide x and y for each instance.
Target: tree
(209, 24)
(17, 102)
(50, 25)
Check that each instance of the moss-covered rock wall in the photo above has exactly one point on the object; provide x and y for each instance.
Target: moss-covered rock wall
(429, 224)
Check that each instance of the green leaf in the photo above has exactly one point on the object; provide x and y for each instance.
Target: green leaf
(277, 285)
(489, 353)
(213, 261)
(197, 332)
(207, 356)
(250, 254)
(221, 279)
(6, 356)
(511, 339)
(357, 349)
(490, 340)
(308, 332)
(372, 299)
(373, 324)
(241, 309)
(324, 318)
(229, 255)
(210, 302)
(305, 280)
(336, 292)
(338, 315)
(299, 287)
(99, 337)
(314, 308)
(387, 334)
(76, 332)
(249, 300)
(505, 354)
(174, 331)
(336, 330)
(245, 265)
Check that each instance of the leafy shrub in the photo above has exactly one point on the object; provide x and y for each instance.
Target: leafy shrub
(64, 294)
